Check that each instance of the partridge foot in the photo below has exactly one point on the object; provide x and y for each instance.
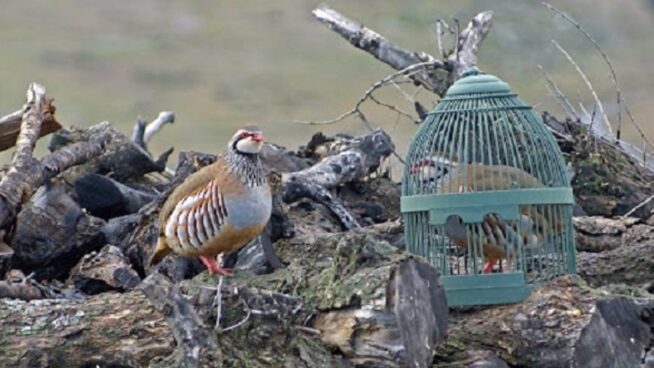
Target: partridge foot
(488, 267)
(213, 267)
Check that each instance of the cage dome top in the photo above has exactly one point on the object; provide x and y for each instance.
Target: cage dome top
(474, 81)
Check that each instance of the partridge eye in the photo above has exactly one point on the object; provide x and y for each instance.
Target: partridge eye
(245, 135)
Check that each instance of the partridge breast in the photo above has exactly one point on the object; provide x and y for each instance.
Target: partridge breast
(208, 222)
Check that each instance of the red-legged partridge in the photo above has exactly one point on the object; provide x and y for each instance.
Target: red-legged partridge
(219, 208)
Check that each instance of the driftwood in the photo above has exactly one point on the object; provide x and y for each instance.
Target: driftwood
(438, 75)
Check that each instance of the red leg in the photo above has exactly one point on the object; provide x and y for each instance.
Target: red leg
(213, 267)
(488, 267)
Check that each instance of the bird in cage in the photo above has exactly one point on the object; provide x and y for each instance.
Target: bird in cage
(500, 239)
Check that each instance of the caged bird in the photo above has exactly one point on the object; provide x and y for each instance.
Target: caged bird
(500, 239)
(220, 208)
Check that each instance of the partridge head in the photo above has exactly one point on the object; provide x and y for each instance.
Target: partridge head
(219, 208)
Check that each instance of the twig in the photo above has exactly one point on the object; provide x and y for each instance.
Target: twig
(614, 78)
(641, 204)
(218, 302)
(558, 94)
(357, 107)
(242, 321)
(588, 84)
(394, 108)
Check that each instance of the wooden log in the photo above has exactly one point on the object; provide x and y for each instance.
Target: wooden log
(53, 233)
(608, 181)
(351, 161)
(121, 158)
(106, 198)
(560, 325)
(10, 126)
(108, 329)
(105, 270)
(196, 345)
(366, 291)
(26, 174)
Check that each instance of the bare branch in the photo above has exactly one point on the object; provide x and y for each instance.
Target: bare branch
(378, 46)
(558, 94)
(138, 133)
(465, 55)
(357, 107)
(614, 78)
(588, 84)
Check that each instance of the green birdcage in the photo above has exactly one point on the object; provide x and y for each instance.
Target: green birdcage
(486, 197)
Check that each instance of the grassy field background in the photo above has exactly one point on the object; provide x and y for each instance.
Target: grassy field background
(222, 64)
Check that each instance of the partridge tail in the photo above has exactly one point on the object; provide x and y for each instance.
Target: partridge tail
(160, 251)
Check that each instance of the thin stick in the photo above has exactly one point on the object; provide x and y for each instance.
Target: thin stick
(588, 84)
(558, 94)
(641, 204)
(366, 95)
(614, 78)
(218, 301)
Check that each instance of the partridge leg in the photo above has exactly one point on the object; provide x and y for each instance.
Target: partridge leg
(213, 267)
(488, 267)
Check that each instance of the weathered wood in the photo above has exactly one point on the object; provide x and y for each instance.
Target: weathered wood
(106, 198)
(107, 330)
(607, 181)
(196, 345)
(121, 158)
(53, 233)
(15, 184)
(10, 126)
(436, 77)
(351, 160)
(17, 286)
(348, 278)
(420, 307)
(560, 325)
(105, 270)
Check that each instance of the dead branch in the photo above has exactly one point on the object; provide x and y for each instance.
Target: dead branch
(614, 78)
(561, 98)
(138, 132)
(15, 185)
(358, 158)
(598, 102)
(356, 110)
(10, 126)
(464, 56)
(436, 75)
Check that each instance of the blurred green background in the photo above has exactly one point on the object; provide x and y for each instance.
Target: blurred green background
(222, 64)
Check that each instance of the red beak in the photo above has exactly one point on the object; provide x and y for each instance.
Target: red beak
(257, 137)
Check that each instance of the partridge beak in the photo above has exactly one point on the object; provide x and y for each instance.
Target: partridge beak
(257, 137)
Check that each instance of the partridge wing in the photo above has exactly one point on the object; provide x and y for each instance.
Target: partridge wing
(198, 217)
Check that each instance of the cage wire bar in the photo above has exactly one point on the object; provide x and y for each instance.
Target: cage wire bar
(485, 195)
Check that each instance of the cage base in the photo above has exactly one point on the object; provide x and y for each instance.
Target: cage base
(497, 288)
